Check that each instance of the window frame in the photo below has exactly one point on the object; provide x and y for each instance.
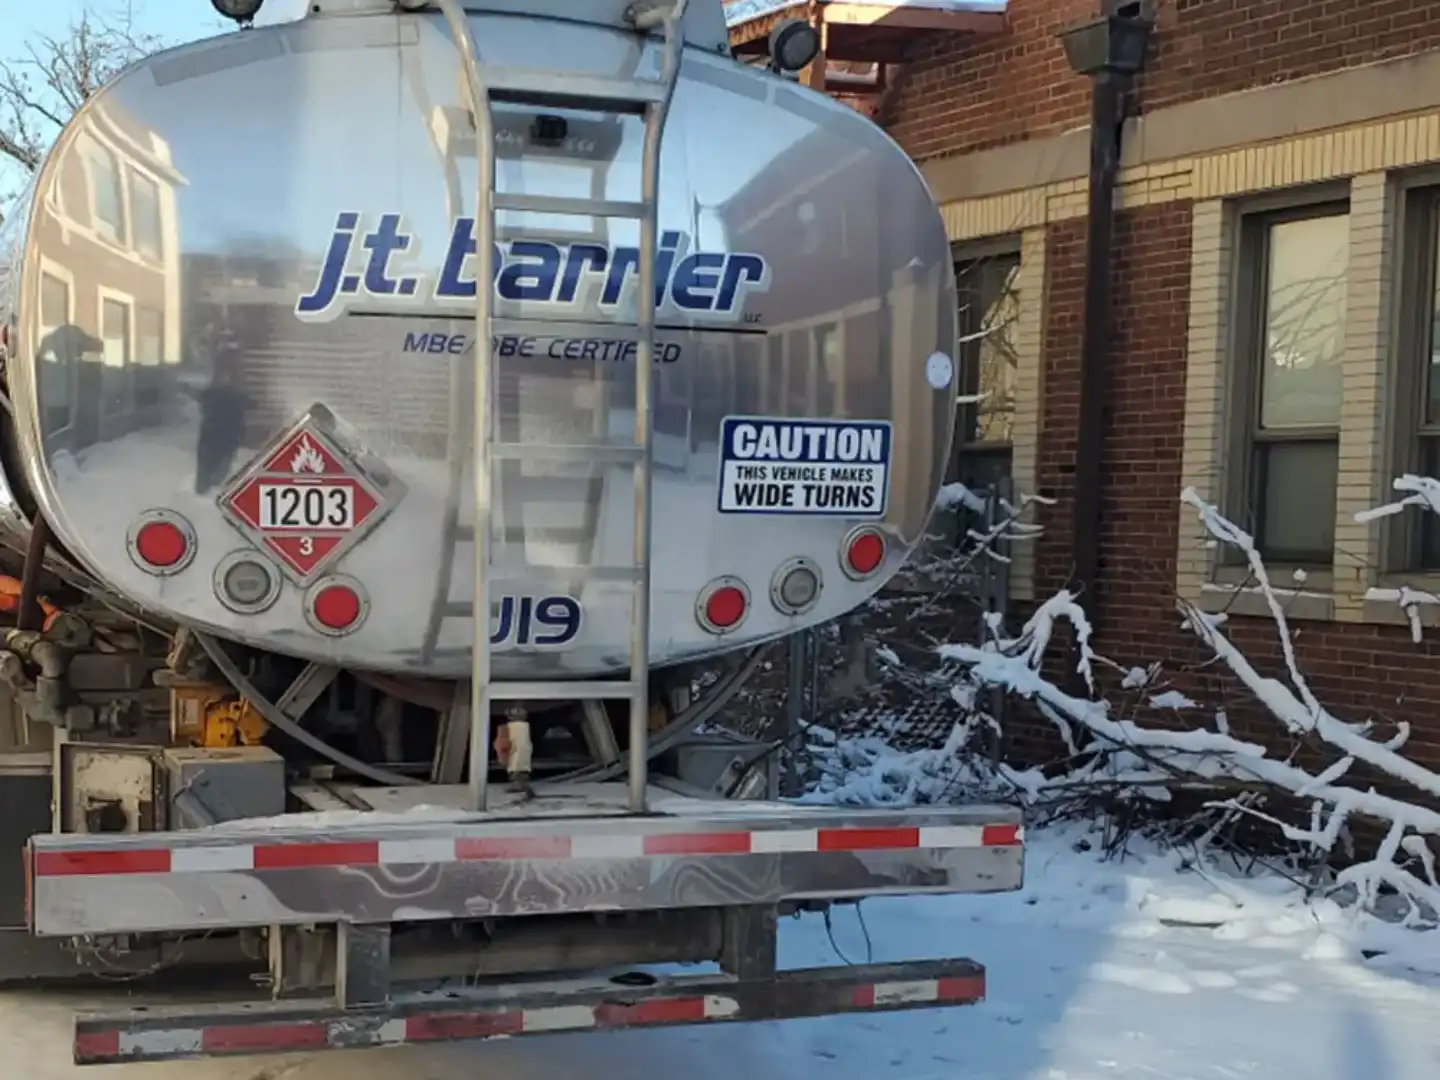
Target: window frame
(69, 372)
(1249, 296)
(117, 235)
(1416, 277)
(135, 181)
(963, 447)
(103, 296)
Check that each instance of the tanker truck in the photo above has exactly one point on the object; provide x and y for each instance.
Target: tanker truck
(268, 450)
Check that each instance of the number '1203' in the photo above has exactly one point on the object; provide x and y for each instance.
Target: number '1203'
(307, 506)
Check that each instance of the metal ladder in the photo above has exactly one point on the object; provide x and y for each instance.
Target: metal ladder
(650, 99)
(588, 491)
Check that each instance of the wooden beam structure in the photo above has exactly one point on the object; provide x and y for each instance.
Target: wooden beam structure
(855, 34)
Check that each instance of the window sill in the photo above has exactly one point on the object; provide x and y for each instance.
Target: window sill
(1313, 603)
(1382, 603)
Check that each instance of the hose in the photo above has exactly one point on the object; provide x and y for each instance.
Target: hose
(696, 714)
(278, 719)
(29, 616)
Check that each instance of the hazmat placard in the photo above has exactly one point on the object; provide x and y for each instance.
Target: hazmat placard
(773, 465)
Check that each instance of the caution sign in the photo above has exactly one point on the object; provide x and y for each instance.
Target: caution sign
(304, 500)
(770, 465)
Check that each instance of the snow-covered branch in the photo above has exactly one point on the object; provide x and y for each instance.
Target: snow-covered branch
(1361, 775)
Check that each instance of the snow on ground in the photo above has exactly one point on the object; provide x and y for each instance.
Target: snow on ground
(1122, 970)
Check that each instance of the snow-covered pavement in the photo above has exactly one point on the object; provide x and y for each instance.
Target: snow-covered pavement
(1098, 971)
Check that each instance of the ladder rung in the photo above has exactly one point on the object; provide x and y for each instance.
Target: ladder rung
(573, 90)
(600, 454)
(560, 204)
(562, 691)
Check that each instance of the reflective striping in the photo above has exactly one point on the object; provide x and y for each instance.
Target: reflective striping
(781, 841)
(918, 992)
(516, 847)
(265, 1038)
(75, 863)
(869, 839)
(1002, 835)
(951, 836)
(442, 1026)
(417, 852)
(713, 843)
(169, 1041)
(136, 1035)
(194, 860)
(607, 847)
(559, 1018)
(302, 854)
(290, 856)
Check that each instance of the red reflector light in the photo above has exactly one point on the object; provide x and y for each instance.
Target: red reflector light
(161, 542)
(863, 553)
(723, 605)
(336, 605)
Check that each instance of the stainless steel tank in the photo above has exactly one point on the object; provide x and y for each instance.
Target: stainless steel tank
(240, 342)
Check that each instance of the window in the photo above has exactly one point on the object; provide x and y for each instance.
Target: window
(985, 416)
(56, 368)
(1417, 538)
(149, 337)
(149, 355)
(115, 335)
(54, 309)
(145, 208)
(1291, 305)
(107, 192)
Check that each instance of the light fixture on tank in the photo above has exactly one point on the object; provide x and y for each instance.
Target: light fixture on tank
(242, 12)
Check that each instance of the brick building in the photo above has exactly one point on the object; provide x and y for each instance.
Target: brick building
(1274, 296)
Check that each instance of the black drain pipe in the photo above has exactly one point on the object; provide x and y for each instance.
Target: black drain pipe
(1111, 50)
(1106, 118)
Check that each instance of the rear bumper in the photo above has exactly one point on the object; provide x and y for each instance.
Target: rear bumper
(311, 872)
(584, 1005)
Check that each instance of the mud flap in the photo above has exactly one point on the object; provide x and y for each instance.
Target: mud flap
(507, 1011)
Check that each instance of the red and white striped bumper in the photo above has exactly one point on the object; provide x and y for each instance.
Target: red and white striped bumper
(157, 1034)
(218, 878)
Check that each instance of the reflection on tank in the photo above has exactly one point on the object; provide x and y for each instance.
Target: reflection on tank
(177, 244)
(108, 334)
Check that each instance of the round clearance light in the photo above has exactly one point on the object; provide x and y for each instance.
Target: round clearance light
(792, 45)
(336, 605)
(863, 553)
(796, 586)
(161, 542)
(241, 11)
(722, 605)
(245, 583)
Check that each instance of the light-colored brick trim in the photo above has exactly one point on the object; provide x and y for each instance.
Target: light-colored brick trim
(1203, 452)
(1363, 440)
(1399, 143)
(1027, 336)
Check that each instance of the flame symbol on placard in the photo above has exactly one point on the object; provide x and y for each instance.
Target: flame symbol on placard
(307, 458)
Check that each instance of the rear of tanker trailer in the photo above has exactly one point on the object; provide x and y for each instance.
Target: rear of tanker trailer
(725, 352)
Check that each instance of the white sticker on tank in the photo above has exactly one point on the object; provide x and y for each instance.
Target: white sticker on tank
(939, 370)
(774, 465)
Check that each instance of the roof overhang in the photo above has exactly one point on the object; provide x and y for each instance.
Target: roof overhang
(866, 31)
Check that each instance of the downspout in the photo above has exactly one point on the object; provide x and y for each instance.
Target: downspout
(1107, 119)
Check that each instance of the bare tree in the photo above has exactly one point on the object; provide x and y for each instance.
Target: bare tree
(54, 74)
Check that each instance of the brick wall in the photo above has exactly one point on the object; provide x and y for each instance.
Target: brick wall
(960, 94)
(964, 95)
